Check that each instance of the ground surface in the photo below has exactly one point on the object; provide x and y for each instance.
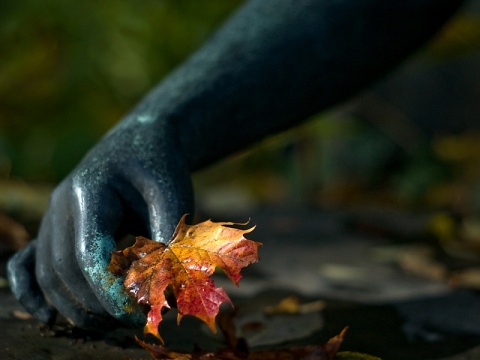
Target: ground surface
(344, 259)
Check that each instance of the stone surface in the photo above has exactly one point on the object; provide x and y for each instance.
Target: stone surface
(315, 255)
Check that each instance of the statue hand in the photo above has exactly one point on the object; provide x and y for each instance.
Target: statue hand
(134, 181)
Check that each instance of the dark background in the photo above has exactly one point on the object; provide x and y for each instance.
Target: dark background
(70, 70)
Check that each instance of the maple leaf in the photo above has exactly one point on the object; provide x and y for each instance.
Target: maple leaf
(184, 266)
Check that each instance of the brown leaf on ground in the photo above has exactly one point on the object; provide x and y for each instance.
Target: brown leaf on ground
(22, 315)
(423, 264)
(292, 305)
(468, 278)
(184, 266)
(309, 352)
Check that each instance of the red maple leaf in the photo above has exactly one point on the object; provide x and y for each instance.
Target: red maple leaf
(184, 266)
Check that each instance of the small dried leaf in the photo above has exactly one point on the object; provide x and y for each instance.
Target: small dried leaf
(22, 315)
(292, 305)
(468, 278)
(349, 355)
(309, 352)
(289, 305)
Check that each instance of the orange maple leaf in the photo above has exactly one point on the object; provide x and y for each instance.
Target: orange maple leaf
(184, 266)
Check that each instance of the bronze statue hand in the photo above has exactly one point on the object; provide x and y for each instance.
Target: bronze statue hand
(133, 181)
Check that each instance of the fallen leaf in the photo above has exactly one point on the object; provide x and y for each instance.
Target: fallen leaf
(310, 352)
(351, 355)
(415, 259)
(289, 305)
(468, 278)
(424, 265)
(183, 267)
(292, 305)
(22, 315)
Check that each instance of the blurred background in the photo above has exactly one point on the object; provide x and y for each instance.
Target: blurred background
(70, 70)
